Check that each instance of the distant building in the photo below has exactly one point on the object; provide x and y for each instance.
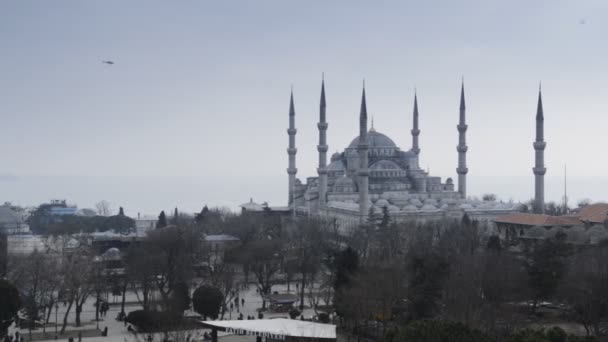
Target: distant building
(587, 225)
(217, 246)
(145, 223)
(12, 219)
(372, 172)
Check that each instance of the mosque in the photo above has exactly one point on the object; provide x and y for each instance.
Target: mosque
(373, 173)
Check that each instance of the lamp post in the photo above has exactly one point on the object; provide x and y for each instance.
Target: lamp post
(56, 309)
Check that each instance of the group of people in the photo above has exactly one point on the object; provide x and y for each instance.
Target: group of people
(16, 337)
(237, 303)
(102, 306)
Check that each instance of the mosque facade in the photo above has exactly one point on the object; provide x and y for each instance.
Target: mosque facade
(372, 173)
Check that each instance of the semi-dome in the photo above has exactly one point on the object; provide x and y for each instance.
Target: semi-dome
(374, 139)
(335, 157)
(384, 165)
(336, 165)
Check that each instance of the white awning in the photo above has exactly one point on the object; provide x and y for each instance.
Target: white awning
(278, 328)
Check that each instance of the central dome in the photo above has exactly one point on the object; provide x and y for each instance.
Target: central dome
(375, 139)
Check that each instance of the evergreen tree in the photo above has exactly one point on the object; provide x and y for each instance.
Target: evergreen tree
(175, 217)
(546, 265)
(200, 217)
(162, 220)
(10, 304)
(207, 301)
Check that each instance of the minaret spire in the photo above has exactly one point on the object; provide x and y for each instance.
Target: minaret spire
(322, 147)
(415, 130)
(539, 167)
(291, 152)
(462, 147)
(363, 172)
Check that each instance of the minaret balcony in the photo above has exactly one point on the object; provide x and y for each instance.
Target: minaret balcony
(292, 150)
(539, 145)
(292, 131)
(539, 171)
(462, 148)
(322, 126)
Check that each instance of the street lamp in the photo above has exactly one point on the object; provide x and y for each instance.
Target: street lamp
(56, 309)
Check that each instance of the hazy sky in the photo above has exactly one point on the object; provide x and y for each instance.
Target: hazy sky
(195, 109)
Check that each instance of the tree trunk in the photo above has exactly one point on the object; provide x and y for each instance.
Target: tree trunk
(78, 311)
(124, 294)
(302, 286)
(65, 317)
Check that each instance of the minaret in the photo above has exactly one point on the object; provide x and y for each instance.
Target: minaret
(291, 151)
(539, 167)
(462, 147)
(415, 131)
(363, 171)
(322, 148)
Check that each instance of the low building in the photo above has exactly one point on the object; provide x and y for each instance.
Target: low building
(586, 225)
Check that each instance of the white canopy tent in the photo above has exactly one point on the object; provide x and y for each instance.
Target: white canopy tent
(279, 328)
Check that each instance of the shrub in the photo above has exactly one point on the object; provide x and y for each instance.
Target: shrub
(293, 313)
(433, 331)
(151, 321)
(323, 317)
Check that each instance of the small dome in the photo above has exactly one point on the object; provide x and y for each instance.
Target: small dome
(555, 231)
(111, 254)
(449, 181)
(536, 232)
(596, 234)
(428, 207)
(466, 206)
(345, 181)
(430, 201)
(416, 202)
(576, 235)
(410, 208)
(392, 208)
(486, 206)
(375, 139)
(381, 202)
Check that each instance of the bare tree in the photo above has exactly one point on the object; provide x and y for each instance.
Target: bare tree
(172, 252)
(141, 274)
(36, 277)
(584, 287)
(103, 208)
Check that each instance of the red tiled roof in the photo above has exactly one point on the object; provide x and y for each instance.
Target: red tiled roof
(596, 213)
(537, 220)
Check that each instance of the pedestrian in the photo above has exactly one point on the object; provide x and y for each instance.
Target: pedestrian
(80, 336)
(231, 306)
(149, 338)
(242, 301)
